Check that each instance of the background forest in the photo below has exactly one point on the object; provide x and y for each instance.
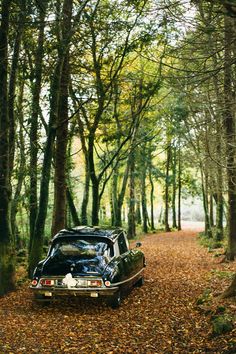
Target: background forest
(114, 112)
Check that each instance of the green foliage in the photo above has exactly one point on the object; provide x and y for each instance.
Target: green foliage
(222, 274)
(209, 243)
(206, 297)
(222, 324)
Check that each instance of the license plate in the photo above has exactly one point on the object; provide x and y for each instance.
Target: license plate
(94, 294)
(47, 293)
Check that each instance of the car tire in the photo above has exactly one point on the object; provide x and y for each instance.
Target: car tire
(140, 282)
(115, 300)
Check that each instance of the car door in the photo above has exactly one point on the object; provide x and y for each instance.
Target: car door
(125, 260)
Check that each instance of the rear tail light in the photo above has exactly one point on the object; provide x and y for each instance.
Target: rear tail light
(95, 283)
(34, 282)
(107, 283)
(47, 282)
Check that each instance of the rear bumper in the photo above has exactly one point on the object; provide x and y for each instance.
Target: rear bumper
(87, 292)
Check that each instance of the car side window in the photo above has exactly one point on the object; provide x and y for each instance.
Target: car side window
(122, 244)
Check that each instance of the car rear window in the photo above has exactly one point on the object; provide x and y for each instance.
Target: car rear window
(88, 248)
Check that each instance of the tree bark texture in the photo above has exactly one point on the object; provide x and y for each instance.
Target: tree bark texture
(72, 208)
(59, 210)
(7, 259)
(35, 111)
(167, 185)
(179, 188)
(20, 171)
(12, 82)
(204, 177)
(229, 125)
(131, 215)
(143, 189)
(174, 188)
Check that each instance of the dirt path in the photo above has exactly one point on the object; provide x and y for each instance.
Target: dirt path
(161, 317)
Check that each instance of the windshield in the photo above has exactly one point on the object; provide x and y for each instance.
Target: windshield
(89, 248)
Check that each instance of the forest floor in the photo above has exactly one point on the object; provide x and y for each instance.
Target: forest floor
(172, 313)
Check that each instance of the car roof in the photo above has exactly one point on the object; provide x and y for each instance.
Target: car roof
(89, 231)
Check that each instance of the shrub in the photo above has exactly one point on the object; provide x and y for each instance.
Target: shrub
(222, 324)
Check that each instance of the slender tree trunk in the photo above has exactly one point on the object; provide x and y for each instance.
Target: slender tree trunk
(7, 257)
(94, 180)
(152, 200)
(138, 216)
(95, 203)
(219, 120)
(219, 235)
(84, 205)
(72, 208)
(219, 217)
(12, 82)
(143, 190)
(167, 183)
(179, 188)
(131, 215)
(230, 142)
(35, 111)
(21, 164)
(121, 195)
(174, 162)
(151, 188)
(114, 192)
(208, 231)
(211, 204)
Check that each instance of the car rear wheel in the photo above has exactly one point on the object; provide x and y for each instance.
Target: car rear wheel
(115, 300)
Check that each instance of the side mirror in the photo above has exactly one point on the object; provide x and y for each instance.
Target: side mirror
(138, 244)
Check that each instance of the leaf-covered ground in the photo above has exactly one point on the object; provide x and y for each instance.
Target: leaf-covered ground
(161, 317)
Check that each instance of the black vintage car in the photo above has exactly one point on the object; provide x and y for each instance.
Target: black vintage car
(89, 261)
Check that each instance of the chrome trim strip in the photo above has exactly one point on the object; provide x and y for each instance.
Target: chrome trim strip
(125, 281)
(53, 289)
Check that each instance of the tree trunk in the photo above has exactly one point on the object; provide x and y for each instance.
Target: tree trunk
(12, 83)
(21, 172)
(72, 208)
(167, 183)
(179, 188)
(208, 231)
(84, 205)
(95, 181)
(7, 256)
(131, 215)
(138, 216)
(95, 203)
(152, 200)
(219, 216)
(114, 192)
(143, 190)
(231, 290)
(174, 188)
(121, 196)
(59, 209)
(230, 142)
(35, 110)
(211, 202)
